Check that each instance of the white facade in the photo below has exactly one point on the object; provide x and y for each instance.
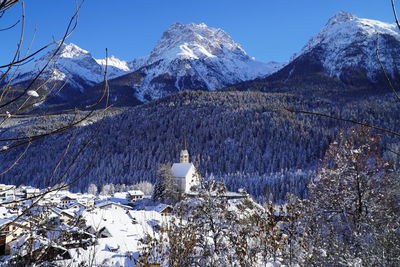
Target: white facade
(134, 195)
(7, 193)
(184, 156)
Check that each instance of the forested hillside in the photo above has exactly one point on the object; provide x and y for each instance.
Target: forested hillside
(247, 138)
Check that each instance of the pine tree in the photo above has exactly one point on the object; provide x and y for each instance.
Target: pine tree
(166, 190)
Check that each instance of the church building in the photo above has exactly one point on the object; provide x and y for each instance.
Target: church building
(185, 173)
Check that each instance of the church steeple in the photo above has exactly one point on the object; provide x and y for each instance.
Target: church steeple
(184, 156)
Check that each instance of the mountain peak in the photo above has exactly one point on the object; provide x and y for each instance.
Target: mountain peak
(194, 41)
(347, 43)
(73, 65)
(195, 56)
(344, 29)
(189, 28)
(71, 51)
(341, 16)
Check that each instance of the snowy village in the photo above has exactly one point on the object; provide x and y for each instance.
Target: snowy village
(106, 229)
(98, 229)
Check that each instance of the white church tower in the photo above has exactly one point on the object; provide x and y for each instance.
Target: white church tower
(184, 172)
(184, 156)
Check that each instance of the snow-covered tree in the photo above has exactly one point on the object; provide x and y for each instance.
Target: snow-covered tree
(146, 187)
(165, 189)
(210, 230)
(107, 189)
(348, 203)
(92, 189)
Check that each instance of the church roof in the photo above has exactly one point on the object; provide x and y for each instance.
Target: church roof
(181, 169)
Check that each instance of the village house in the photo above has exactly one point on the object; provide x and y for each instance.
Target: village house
(108, 205)
(31, 192)
(134, 195)
(162, 209)
(65, 201)
(7, 193)
(11, 231)
(58, 216)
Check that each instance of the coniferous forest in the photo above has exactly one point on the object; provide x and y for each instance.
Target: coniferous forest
(246, 138)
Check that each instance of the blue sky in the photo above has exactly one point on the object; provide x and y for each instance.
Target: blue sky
(268, 30)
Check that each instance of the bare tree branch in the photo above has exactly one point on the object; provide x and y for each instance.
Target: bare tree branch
(10, 27)
(395, 14)
(345, 120)
(384, 70)
(69, 30)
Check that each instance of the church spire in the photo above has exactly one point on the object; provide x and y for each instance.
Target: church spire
(184, 142)
(184, 156)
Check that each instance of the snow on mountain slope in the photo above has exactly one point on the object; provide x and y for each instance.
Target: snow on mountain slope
(195, 56)
(187, 57)
(347, 41)
(195, 41)
(115, 66)
(137, 63)
(73, 65)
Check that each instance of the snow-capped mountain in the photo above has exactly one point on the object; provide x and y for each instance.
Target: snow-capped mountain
(346, 47)
(187, 57)
(74, 66)
(192, 57)
(115, 66)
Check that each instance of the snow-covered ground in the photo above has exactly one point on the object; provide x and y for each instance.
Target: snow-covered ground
(122, 231)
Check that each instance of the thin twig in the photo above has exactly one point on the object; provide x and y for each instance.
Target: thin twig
(70, 28)
(395, 14)
(10, 27)
(16, 161)
(342, 119)
(384, 70)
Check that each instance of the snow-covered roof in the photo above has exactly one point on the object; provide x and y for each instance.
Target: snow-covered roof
(32, 190)
(56, 210)
(122, 195)
(125, 234)
(135, 193)
(159, 208)
(107, 203)
(76, 204)
(181, 169)
(228, 194)
(69, 213)
(6, 187)
(67, 198)
(142, 216)
(7, 220)
(122, 201)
